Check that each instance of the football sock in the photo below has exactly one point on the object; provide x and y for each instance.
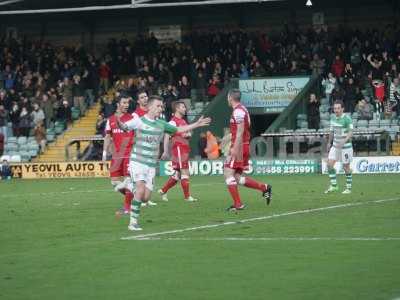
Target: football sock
(185, 186)
(252, 184)
(233, 190)
(128, 200)
(332, 177)
(135, 210)
(169, 184)
(349, 180)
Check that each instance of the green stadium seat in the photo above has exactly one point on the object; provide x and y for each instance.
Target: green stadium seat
(59, 129)
(25, 156)
(75, 112)
(12, 139)
(23, 147)
(385, 123)
(22, 140)
(302, 117)
(50, 137)
(373, 123)
(362, 123)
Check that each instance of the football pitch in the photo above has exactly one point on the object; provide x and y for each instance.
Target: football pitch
(60, 239)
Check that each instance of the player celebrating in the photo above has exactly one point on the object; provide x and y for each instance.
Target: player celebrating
(122, 146)
(180, 154)
(140, 111)
(341, 132)
(149, 131)
(238, 159)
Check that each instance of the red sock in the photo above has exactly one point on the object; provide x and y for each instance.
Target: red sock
(169, 184)
(253, 184)
(128, 200)
(233, 190)
(185, 187)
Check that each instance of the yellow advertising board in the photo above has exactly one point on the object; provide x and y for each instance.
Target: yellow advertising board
(79, 169)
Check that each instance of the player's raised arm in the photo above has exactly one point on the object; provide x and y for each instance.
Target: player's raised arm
(201, 122)
(128, 126)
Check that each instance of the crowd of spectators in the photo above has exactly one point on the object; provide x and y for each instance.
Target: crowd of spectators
(40, 83)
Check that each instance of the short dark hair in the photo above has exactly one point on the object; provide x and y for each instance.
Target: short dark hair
(154, 98)
(140, 91)
(235, 94)
(340, 102)
(176, 103)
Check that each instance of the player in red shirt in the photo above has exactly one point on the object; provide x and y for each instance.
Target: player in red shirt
(122, 145)
(238, 158)
(180, 151)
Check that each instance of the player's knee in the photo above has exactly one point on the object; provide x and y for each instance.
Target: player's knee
(116, 183)
(242, 180)
(184, 176)
(176, 176)
(231, 181)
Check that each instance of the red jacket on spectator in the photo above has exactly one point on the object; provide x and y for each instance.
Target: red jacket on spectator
(104, 71)
(213, 89)
(338, 67)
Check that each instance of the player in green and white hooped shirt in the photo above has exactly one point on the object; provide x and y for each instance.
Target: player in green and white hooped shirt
(341, 132)
(149, 131)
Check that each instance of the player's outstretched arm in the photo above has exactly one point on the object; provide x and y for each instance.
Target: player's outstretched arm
(201, 122)
(128, 126)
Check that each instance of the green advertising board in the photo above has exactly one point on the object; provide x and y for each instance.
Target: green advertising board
(257, 167)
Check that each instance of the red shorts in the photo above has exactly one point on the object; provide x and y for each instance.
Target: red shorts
(180, 157)
(241, 162)
(119, 167)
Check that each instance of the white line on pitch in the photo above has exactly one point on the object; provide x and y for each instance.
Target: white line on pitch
(290, 213)
(271, 239)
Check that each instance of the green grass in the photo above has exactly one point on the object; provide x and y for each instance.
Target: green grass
(59, 239)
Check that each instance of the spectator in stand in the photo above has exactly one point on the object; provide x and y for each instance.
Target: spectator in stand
(317, 65)
(258, 70)
(104, 75)
(101, 124)
(338, 67)
(109, 107)
(14, 118)
(78, 94)
(3, 122)
(200, 87)
(25, 121)
(1, 144)
(364, 110)
(64, 113)
(329, 84)
(37, 114)
(40, 136)
(170, 96)
(214, 87)
(5, 170)
(65, 90)
(48, 109)
(313, 112)
(184, 89)
(350, 95)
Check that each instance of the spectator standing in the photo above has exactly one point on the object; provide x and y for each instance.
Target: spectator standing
(37, 114)
(25, 121)
(313, 112)
(3, 122)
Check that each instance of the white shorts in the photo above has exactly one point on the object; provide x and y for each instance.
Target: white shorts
(140, 172)
(344, 156)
